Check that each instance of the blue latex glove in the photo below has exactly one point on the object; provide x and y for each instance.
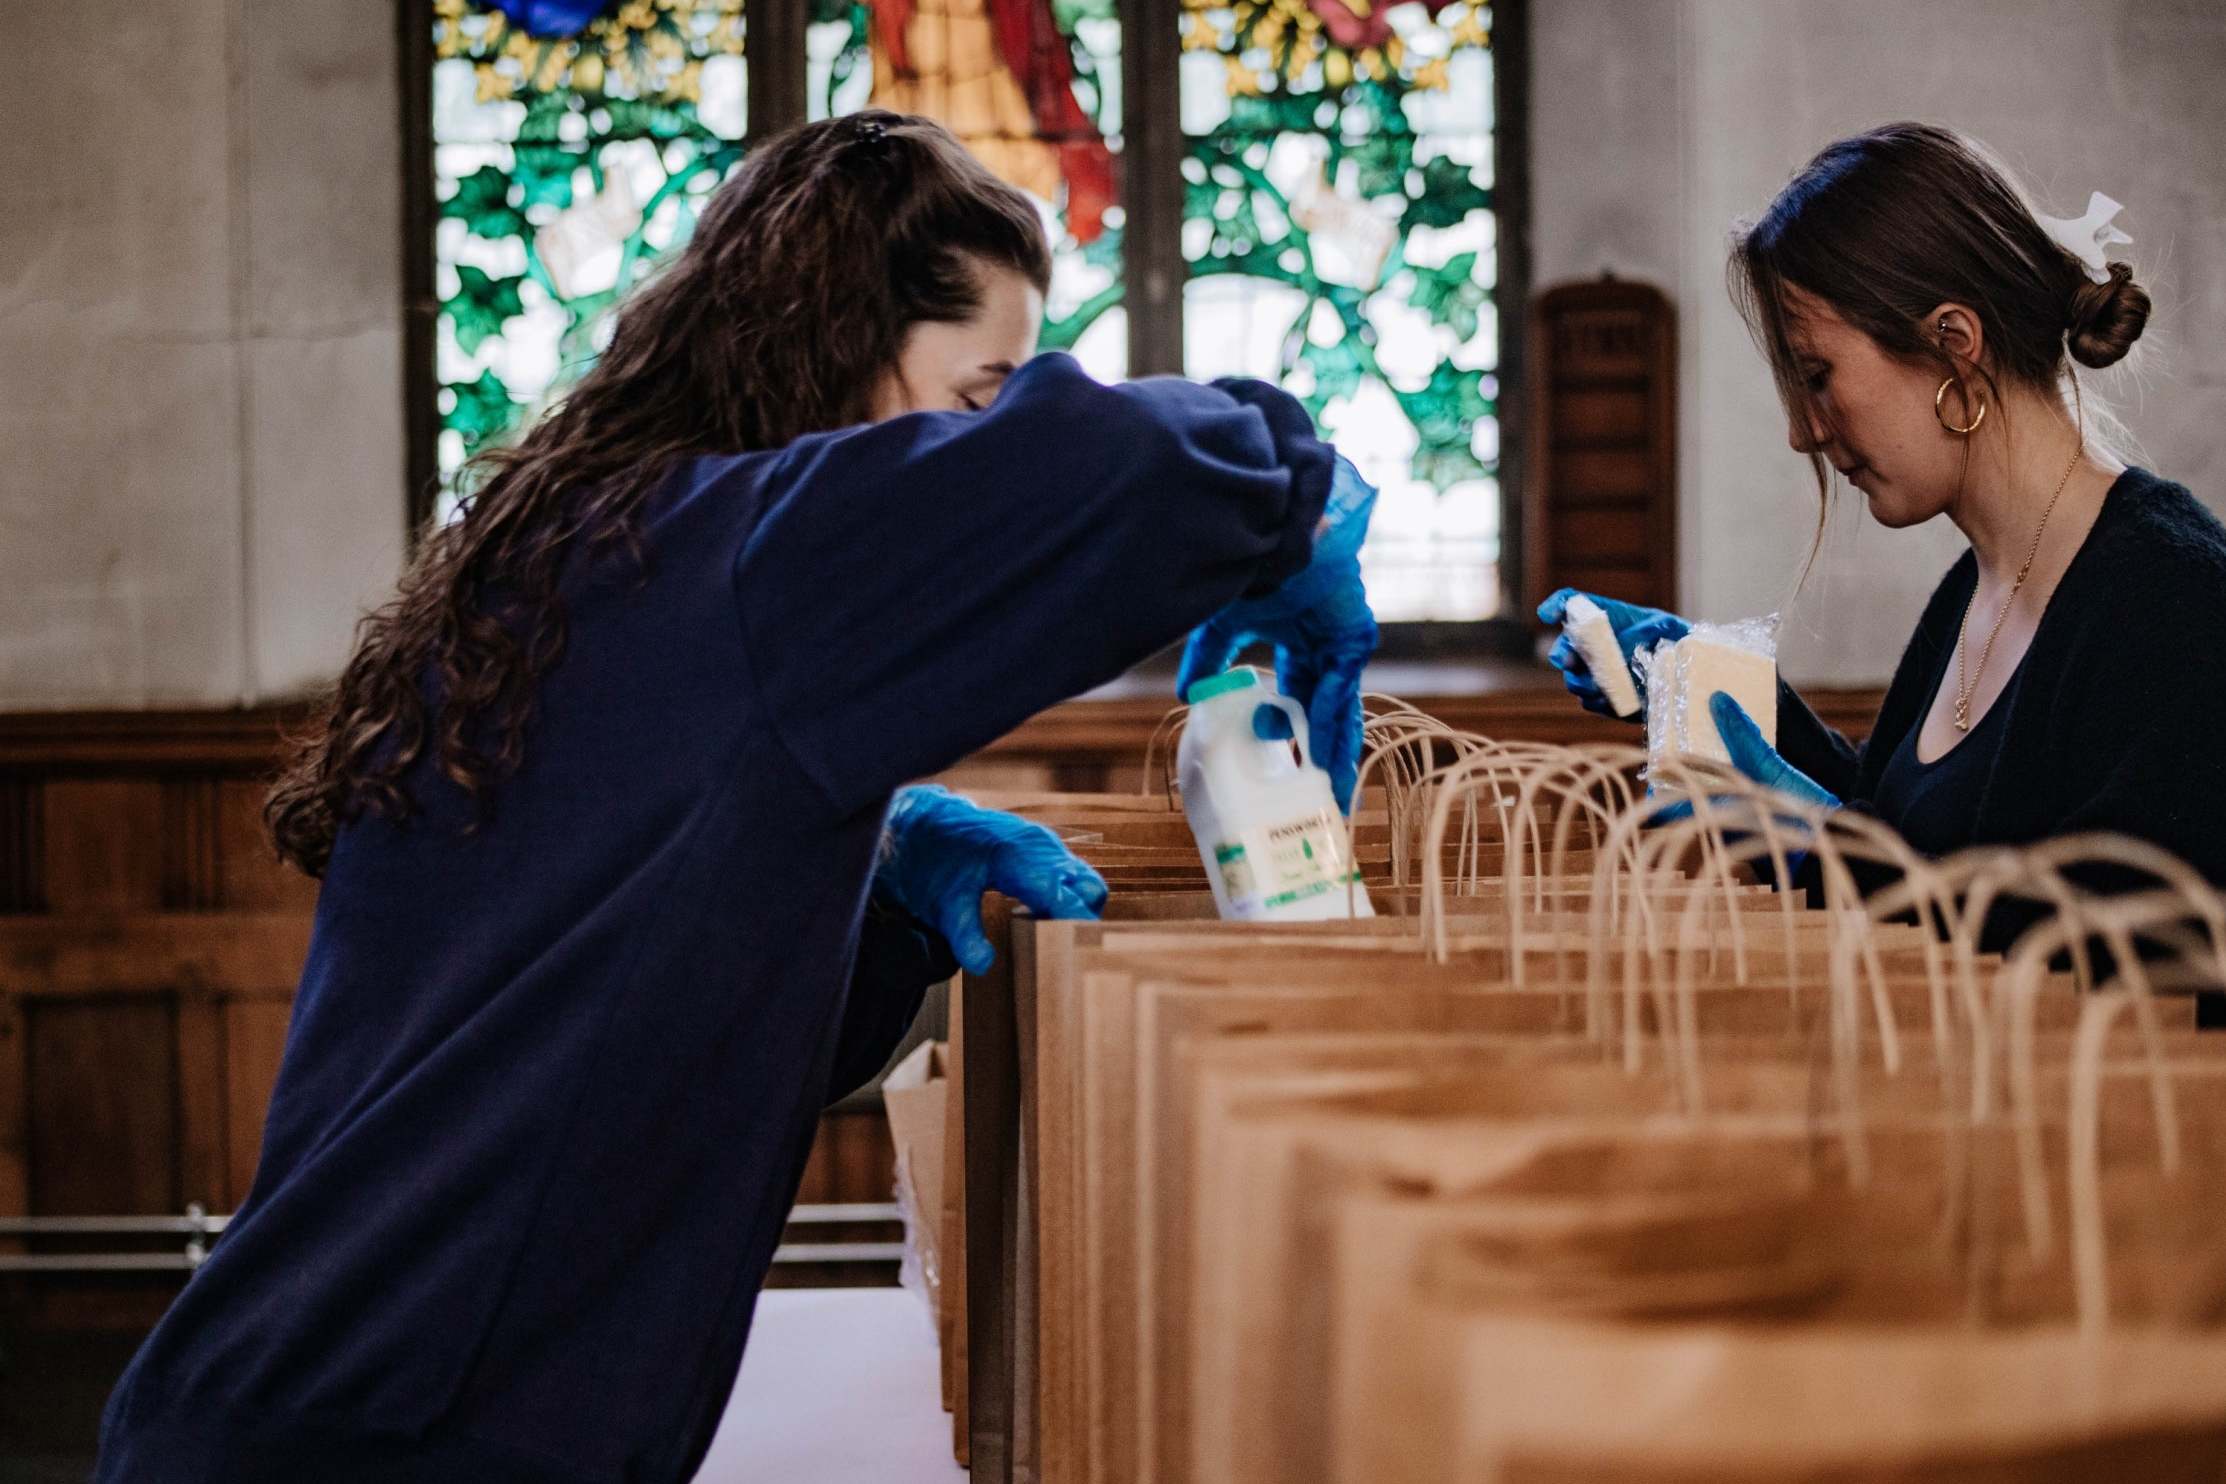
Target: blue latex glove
(1636, 628)
(1322, 631)
(943, 852)
(1755, 758)
(1758, 759)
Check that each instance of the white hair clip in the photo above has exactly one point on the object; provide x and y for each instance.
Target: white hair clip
(2090, 237)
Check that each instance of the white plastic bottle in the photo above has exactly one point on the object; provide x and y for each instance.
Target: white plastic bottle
(1268, 827)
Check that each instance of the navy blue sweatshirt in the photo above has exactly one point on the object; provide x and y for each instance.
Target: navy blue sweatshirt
(2114, 720)
(549, 1087)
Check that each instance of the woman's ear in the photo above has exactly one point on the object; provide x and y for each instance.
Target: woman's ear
(1956, 330)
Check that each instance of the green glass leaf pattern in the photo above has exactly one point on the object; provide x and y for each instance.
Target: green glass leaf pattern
(857, 48)
(1445, 467)
(482, 204)
(576, 348)
(542, 163)
(631, 118)
(1451, 295)
(480, 305)
(1200, 189)
(544, 174)
(1338, 372)
(1381, 160)
(1445, 414)
(569, 120)
(1447, 195)
(545, 115)
(1105, 252)
(1279, 113)
(1061, 332)
(481, 410)
(1236, 224)
(1360, 130)
(1067, 14)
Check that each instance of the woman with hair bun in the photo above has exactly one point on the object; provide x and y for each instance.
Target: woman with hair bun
(1921, 321)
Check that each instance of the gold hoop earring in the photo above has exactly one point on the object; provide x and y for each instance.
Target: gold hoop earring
(1940, 397)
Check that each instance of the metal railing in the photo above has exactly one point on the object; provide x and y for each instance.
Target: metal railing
(836, 1214)
(199, 1228)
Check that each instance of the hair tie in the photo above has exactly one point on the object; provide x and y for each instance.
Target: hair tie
(871, 135)
(2088, 238)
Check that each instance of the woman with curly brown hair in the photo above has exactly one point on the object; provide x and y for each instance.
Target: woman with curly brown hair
(614, 899)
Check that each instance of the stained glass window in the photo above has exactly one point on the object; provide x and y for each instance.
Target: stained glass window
(1339, 234)
(1340, 238)
(563, 165)
(1033, 88)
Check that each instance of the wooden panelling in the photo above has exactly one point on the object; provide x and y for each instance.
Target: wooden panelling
(1601, 433)
(22, 843)
(1594, 476)
(114, 1303)
(1083, 740)
(1617, 579)
(249, 874)
(1597, 416)
(188, 838)
(103, 1108)
(1608, 535)
(154, 952)
(241, 743)
(15, 1112)
(1595, 339)
(1024, 772)
(150, 942)
(103, 844)
(203, 1138)
(149, 946)
(254, 1038)
(142, 1059)
(852, 1160)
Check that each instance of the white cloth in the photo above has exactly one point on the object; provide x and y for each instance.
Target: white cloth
(839, 1385)
(2089, 238)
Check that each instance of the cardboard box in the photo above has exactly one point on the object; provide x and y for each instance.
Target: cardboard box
(914, 1093)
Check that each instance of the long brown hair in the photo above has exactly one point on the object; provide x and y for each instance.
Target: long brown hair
(779, 317)
(1887, 224)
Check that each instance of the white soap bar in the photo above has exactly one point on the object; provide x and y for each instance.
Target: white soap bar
(1588, 628)
(1693, 671)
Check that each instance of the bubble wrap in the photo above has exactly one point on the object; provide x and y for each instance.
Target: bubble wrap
(1679, 677)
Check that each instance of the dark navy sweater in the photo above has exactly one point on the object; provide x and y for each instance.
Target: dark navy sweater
(549, 1086)
(2115, 719)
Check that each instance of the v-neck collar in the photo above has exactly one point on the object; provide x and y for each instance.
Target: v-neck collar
(2111, 502)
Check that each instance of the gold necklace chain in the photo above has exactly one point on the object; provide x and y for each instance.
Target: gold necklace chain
(1965, 682)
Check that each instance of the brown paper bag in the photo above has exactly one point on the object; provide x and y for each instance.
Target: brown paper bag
(914, 1094)
(1775, 1264)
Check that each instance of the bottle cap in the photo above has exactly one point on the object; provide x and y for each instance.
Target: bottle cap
(1244, 677)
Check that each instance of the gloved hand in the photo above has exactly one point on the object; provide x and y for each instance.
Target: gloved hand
(944, 851)
(1751, 755)
(1322, 631)
(1636, 628)
(1755, 758)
